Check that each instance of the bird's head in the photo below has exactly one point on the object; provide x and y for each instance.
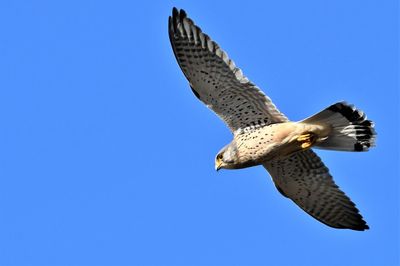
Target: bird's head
(226, 157)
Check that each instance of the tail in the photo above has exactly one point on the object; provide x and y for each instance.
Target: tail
(350, 130)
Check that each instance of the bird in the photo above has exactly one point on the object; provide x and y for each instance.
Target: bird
(262, 135)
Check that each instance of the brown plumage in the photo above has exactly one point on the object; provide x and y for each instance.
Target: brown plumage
(264, 136)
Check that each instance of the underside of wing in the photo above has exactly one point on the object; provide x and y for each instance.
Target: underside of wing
(305, 179)
(215, 79)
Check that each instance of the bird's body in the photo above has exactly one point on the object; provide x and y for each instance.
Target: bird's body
(273, 141)
(264, 136)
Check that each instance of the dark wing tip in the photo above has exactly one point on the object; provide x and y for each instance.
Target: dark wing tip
(359, 227)
(182, 14)
(353, 220)
(358, 223)
(362, 228)
(175, 12)
(172, 23)
(178, 15)
(355, 223)
(361, 224)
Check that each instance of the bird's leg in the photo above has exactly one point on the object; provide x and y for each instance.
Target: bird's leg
(306, 140)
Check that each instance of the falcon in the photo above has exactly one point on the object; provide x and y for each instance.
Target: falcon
(262, 135)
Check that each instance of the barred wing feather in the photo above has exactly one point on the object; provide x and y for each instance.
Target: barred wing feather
(215, 79)
(305, 179)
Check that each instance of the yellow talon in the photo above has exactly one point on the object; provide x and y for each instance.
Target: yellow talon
(306, 140)
(305, 145)
(304, 137)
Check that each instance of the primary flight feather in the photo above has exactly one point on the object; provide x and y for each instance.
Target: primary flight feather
(264, 136)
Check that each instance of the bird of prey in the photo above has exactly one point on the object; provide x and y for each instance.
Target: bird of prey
(264, 136)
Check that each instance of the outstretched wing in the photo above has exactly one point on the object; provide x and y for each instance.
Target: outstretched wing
(215, 79)
(305, 179)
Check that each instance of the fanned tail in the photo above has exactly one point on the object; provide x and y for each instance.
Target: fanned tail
(350, 129)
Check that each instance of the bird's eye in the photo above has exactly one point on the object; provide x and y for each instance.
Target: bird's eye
(219, 156)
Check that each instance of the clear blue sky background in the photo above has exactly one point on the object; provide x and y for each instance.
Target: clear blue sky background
(106, 157)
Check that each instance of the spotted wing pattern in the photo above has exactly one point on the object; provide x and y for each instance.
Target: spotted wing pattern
(305, 179)
(215, 79)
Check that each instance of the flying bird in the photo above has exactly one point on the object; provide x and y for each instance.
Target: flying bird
(262, 135)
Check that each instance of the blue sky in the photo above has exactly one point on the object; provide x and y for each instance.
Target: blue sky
(87, 87)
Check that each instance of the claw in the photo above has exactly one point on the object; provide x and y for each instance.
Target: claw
(306, 140)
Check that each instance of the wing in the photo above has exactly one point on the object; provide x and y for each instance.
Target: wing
(215, 79)
(305, 179)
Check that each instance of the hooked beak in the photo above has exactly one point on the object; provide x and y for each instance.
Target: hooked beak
(218, 165)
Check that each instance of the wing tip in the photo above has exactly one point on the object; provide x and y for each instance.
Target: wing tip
(361, 224)
(178, 17)
(357, 225)
(175, 12)
(353, 221)
(178, 14)
(360, 227)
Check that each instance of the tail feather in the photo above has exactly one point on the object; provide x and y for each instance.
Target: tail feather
(350, 129)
